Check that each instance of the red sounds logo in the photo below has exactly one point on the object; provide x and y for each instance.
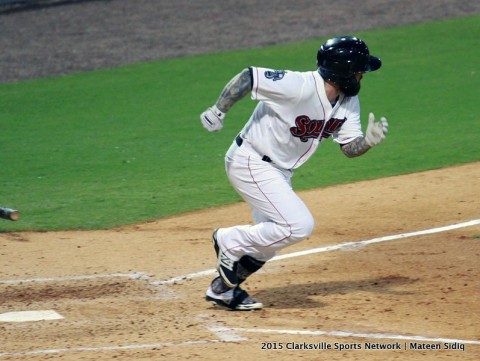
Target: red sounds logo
(306, 128)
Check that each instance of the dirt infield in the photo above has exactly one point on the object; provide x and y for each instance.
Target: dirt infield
(136, 293)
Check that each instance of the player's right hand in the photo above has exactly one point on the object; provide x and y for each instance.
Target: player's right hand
(212, 119)
(376, 132)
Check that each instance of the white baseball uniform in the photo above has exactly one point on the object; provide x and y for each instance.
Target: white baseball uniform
(292, 118)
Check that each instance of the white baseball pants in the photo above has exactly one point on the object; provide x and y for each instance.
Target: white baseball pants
(280, 217)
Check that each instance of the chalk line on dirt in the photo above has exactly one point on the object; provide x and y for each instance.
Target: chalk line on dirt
(383, 336)
(133, 275)
(106, 348)
(228, 334)
(332, 248)
(210, 272)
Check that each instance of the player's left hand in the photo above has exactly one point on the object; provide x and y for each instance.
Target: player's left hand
(376, 132)
(212, 119)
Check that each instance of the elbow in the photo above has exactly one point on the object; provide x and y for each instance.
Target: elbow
(346, 151)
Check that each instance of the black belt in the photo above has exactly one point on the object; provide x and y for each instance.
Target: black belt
(239, 141)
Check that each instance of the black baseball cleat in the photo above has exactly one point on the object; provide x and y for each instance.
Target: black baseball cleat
(234, 299)
(226, 267)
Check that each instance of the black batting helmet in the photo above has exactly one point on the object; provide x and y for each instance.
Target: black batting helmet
(340, 58)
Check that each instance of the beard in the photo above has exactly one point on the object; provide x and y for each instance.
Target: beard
(351, 88)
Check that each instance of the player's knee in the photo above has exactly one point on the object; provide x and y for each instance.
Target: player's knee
(303, 228)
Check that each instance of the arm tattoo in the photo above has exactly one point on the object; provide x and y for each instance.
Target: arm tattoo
(235, 90)
(356, 147)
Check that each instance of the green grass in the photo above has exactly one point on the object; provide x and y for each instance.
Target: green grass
(119, 146)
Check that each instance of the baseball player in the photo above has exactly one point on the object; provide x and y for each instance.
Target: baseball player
(296, 112)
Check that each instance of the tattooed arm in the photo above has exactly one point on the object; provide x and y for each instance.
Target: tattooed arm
(356, 147)
(236, 89)
(375, 134)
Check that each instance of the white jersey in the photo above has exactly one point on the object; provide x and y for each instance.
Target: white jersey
(294, 116)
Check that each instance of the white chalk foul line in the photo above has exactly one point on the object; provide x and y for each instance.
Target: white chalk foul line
(385, 336)
(106, 348)
(380, 239)
(133, 275)
(225, 334)
(331, 248)
(189, 276)
(228, 334)
(210, 272)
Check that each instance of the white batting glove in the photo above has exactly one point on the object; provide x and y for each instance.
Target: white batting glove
(212, 119)
(376, 132)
